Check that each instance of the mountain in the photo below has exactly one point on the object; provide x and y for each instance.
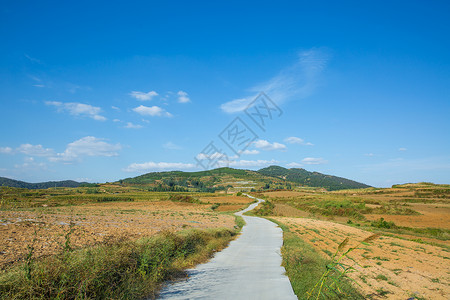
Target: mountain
(313, 179)
(273, 177)
(41, 185)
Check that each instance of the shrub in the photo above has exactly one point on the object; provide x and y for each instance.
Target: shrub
(381, 223)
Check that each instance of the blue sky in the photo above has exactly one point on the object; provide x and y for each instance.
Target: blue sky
(104, 90)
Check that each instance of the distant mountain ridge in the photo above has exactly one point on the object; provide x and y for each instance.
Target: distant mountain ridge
(273, 177)
(40, 185)
(281, 175)
(312, 179)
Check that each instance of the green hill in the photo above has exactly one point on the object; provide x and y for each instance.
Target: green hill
(272, 177)
(41, 185)
(313, 179)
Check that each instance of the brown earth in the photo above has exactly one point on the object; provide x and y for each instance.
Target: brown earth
(435, 215)
(402, 268)
(46, 229)
(231, 207)
(227, 199)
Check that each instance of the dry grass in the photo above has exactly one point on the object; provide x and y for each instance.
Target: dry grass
(409, 266)
(97, 223)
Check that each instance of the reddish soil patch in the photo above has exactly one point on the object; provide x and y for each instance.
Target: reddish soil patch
(231, 207)
(227, 199)
(45, 228)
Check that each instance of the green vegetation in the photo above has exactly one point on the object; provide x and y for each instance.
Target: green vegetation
(264, 209)
(381, 223)
(41, 185)
(305, 267)
(120, 270)
(313, 179)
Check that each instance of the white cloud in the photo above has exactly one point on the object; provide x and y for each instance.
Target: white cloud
(35, 150)
(87, 146)
(249, 152)
(213, 156)
(6, 150)
(402, 149)
(150, 166)
(39, 85)
(237, 105)
(78, 109)
(171, 146)
(183, 97)
(266, 145)
(251, 163)
(294, 165)
(297, 81)
(115, 108)
(133, 126)
(151, 111)
(32, 59)
(116, 120)
(369, 154)
(30, 164)
(297, 140)
(314, 161)
(143, 96)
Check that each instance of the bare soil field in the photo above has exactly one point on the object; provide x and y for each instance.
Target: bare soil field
(410, 259)
(390, 266)
(431, 215)
(47, 229)
(226, 200)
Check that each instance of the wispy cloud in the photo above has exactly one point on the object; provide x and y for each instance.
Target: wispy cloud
(6, 150)
(78, 109)
(153, 111)
(30, 164)
(297, 140)
(87, 146)
(294, 165)
(314, 161)
(267, 146)
(156, 166)
(171, 146)
(143, 96)
(183, 97)
(297, 81)
(133, 126)
(249, 152)
(32, 59)
(251, 163)
(402, 149)
(35, 150)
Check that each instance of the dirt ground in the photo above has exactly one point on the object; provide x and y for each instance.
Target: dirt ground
(46, 229)
(436, 215)
(401, 268)
(227, 200)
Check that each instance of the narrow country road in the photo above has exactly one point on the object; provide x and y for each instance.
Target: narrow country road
(249, 268)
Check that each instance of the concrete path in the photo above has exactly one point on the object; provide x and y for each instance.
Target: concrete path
(249, 268)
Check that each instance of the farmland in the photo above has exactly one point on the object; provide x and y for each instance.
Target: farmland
(409, 259)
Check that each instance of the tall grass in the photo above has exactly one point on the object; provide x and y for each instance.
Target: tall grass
(119, 270)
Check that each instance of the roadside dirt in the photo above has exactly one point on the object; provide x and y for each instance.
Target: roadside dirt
(399, 268)
(46, 229)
